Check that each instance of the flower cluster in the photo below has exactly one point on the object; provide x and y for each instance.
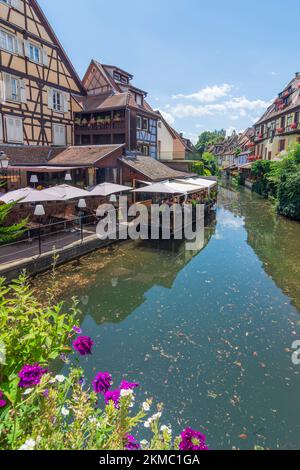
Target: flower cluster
(2, 401)
(131, 443)
(83, 345)
(30, 375)
(152, 419)
(102, 384)
(192, 440)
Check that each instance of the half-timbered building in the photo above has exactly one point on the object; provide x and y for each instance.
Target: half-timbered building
(115, 112)
(38, 84)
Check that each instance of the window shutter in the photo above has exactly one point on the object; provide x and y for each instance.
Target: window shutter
(19, 130)
(7, 86)
(26, 49)
(1, 129)
(50, 98)
(45, 58)
(20, 47)
(23, 91)
(66, 102)
(2, 88)
(59, 134)
(14, 129)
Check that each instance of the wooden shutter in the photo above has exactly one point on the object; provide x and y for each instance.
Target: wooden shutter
(50, 98)
(66, 98)
(23, 95)
(1, 129)
(27, 49)
(7, 86)
(20, 47)
(2, 88)
(45, 58)
(14, 129)
(59, 134)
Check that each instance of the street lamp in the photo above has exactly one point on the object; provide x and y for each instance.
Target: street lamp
(4, 161)
(39, 211)
(81, 205)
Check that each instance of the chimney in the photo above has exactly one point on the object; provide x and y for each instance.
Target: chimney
(297, 74)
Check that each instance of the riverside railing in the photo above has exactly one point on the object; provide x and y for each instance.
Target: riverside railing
(48, 238)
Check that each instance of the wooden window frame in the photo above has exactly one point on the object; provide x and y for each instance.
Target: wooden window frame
(139, 126)
(145, 128)
(32, 46)
(14, 40)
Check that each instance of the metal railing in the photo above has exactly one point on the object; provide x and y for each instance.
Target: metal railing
(48, 238)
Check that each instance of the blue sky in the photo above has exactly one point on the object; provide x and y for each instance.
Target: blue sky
(206, 64)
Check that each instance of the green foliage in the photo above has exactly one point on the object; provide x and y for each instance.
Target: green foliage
(12, 232)
(207, 166)
(31, 333)
(289, 195)
(208, 138)
(280, 182)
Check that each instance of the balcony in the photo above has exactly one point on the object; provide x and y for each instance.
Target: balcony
(100, 125)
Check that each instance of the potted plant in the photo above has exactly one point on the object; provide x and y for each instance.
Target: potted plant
(294, 125)
(84, 122)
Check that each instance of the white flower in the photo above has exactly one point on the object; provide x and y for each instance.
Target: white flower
(126, 393)
(147, 424)
(144, 443)
(156, 416)
(165, 428)
(28, 391)
(60, 378)
(29, 445)
(146, 406)
(65, 411)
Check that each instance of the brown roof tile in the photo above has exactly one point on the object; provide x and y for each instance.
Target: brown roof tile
(30, 155)
(85, 156)
(153, 169)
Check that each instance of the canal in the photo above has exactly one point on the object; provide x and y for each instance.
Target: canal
(207, 333)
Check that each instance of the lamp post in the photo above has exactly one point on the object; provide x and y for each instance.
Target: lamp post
(39, 211)
(4, 163)
(81, 205)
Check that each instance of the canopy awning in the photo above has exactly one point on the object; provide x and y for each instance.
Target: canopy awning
(63, 192)
(209, 184)
(106, 189)
(170, 187)
(45, 169)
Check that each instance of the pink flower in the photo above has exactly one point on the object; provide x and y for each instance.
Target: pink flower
(83, 345)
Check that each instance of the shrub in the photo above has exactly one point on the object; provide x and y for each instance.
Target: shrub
(289, 195)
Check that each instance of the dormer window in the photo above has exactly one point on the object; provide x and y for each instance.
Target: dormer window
(117, 76)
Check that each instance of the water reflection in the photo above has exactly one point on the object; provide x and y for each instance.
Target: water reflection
(275, 239)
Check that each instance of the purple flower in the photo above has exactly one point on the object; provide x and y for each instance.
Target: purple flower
(128, 385)
(83, 345)
(112, 395)
(2, 401)
(131, 443)
(77, 330)
(46, 393)
(31, 375)
(102, 382)
(192, 440)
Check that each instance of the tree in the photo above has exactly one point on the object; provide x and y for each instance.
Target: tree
(9, 233)
(208, 138)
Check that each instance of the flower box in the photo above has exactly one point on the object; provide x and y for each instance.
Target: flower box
(280, 130)
(294, 125)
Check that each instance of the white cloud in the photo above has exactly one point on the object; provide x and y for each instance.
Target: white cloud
(208, 94)
(168, 117)
(240, 105)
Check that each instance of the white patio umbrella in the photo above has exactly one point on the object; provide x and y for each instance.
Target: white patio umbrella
(41, 196)
(16, 196)
(107, 189)
(65, 192)
(169, 187)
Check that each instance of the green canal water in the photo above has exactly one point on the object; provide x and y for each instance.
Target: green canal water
(207, 333)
